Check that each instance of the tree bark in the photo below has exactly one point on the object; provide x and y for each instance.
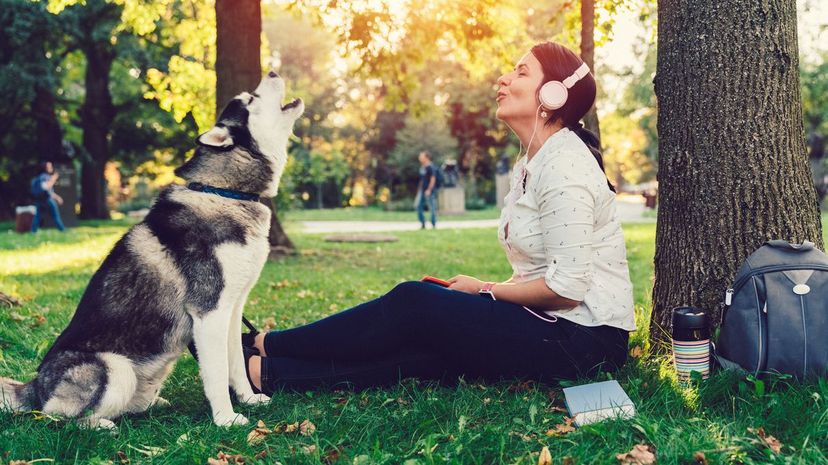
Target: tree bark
(733, 169)
(96, 114)
(588, 55)
(239, 69)
(47, 128)
(238, 48)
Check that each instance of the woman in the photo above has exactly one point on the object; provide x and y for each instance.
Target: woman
(565, 312)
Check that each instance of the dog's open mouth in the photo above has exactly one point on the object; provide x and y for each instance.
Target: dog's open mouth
(292, 104)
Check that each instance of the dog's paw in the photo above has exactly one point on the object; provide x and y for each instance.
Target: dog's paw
(160, 402)
(254, 399)
(230, 419)
(96, 423)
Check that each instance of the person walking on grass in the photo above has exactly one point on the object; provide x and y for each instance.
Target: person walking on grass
(45, 198)
(426, 190)
(565, 312)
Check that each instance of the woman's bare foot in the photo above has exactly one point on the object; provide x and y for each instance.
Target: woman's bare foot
(254, 369)
(258, 342)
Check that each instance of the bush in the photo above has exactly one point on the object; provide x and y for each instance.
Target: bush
(476, 204)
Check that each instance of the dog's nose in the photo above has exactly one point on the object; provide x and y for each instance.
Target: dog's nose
(272, 74)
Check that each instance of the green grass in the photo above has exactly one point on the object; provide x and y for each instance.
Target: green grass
(413, 423)
(379, 214)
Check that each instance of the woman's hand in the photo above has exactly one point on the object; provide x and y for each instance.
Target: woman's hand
(465, 284)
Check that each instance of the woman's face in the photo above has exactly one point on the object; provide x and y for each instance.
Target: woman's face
(517, 94)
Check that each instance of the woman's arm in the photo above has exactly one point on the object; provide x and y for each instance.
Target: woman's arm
(533, 294)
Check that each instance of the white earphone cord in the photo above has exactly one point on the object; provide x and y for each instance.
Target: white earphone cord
(534, 131)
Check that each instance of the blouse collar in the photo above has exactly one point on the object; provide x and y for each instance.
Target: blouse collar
(554, 142)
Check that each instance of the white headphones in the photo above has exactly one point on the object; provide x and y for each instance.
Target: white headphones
(553, 94)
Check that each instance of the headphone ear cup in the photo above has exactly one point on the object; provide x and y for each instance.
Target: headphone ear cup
(553, 95)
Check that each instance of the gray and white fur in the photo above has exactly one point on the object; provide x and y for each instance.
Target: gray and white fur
(183, 274)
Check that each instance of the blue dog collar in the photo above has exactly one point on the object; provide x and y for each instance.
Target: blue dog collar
(229, 193)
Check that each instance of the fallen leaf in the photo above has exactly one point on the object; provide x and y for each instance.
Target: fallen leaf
(16, 316)
(555, 408)
(641, 454)
(770, 441)
(235, 458)
(306, 428)
(291, 427)
(309, 449)
(18, 462)
(261, 455)
(212, 461)
(331, 456)
(636, 352)
(568, 461)
(122, 457)
(563, 428)
(39, 320)
(545, 457)
(258, 434)
(700, 458)
(269, 323)
(522, 386)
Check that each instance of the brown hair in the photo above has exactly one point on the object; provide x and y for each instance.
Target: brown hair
(558, 63)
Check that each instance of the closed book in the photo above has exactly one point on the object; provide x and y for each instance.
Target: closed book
(590, 403)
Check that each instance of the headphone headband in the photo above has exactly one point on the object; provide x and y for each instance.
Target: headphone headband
(579, 73)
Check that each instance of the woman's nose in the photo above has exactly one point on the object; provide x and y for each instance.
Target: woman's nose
(502, 81)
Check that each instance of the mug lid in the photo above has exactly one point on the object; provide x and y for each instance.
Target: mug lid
(689, 317)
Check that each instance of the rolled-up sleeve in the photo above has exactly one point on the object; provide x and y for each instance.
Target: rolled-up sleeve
(566, 211)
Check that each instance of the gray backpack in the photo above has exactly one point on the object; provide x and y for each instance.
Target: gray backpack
(776, 315)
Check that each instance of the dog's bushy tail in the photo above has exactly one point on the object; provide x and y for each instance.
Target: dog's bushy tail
(16, 396)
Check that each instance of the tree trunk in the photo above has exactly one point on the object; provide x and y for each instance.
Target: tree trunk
(239, 69)
(733, 170)
(96, 113)
(49, 145)
(238, 48)
(588, 55)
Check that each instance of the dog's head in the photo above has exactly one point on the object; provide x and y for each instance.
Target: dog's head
(247, 148)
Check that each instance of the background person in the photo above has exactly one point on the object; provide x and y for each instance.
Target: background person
(427, 190)
(45, 197)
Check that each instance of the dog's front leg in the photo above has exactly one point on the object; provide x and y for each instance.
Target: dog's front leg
(210, 336)
(238, 372)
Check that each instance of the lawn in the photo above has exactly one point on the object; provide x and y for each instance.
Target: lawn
(379, 214)
(413, 423)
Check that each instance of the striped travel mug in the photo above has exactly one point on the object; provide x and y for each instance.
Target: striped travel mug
(691, 342)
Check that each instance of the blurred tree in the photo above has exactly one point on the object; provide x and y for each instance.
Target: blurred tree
(29, 129)
(426, 131)
(588, 55)
(239, 69)
(814, 82)
(733, 167)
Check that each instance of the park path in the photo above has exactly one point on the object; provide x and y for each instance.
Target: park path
(630, 210)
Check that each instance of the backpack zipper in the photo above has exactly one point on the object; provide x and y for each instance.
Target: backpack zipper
(770, 268)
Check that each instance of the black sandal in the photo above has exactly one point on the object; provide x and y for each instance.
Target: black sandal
(250, 352)
(249, 339)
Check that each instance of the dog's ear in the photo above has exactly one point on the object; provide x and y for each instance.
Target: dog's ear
(217, 136)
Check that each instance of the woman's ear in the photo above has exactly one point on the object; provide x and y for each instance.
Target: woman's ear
(217, 136)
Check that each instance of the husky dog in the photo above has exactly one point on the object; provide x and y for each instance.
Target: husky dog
(181, 275)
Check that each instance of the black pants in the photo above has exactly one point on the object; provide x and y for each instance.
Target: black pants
(426, 331)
